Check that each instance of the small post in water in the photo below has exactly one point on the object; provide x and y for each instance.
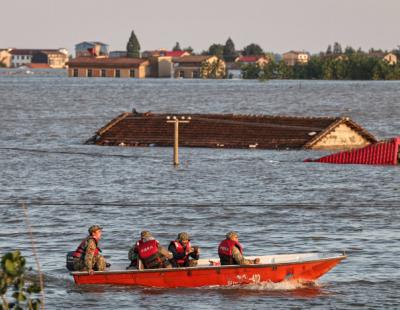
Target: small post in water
(176, 121)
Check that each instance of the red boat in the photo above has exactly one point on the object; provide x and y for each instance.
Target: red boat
(274, 268)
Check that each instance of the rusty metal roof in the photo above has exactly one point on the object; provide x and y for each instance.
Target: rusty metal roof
(222, 130)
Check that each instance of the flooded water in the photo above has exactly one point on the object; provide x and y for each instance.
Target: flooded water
(277, 203)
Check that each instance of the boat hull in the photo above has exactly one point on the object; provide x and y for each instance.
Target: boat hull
(213, 275)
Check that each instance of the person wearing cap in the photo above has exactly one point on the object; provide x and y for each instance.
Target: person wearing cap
(87, 256)
(184, 254)
(230, 251)
(149, 251)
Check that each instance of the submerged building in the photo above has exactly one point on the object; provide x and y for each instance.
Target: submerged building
(234, 131)
(122, 67)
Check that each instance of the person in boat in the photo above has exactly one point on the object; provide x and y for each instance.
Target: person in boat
(184, 254)
(149, 252)
(87, 256)
(230, 251)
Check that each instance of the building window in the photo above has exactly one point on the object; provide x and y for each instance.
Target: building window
(103, 73)
(181, 74)
(90, 73)
(132, 73)
(196, 74)
(75, 72)
(117, 73)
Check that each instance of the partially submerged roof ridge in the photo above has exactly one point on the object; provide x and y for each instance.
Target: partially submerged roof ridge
(113, 122)
(256, 115)
(344, 119)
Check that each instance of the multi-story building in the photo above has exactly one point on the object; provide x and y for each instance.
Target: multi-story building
(161, 62)
(164, 53)
(259, 60)
(199, 67)
(20, 57)
(91, 48)
(390, 58)
(292, 58)
(5, 57)
(54, 58)
(121, 67)
(116, 54)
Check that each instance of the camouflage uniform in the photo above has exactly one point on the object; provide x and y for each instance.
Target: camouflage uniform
(133, 254)
(89, 259)
(239, 258)
(236, 255)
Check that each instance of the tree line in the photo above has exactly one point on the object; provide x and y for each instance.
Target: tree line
(331, 65)
(226, 51)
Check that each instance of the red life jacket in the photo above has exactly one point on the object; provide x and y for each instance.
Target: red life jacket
(180, 250)
(148, 253)
(81, 250)
(225, 251)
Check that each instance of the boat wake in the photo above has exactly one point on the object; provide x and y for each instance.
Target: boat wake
(288, 285)
(288, 288)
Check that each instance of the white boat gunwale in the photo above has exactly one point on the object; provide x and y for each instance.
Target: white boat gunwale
(256, 266)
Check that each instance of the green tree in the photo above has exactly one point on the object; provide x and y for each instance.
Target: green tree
(229, 51)
(283, 71)
(349, 50)
(216, 49)
(314, 68)
(337, 48)
(381, 71)
(329, 50)
(300, 71)
(394, 73)
(342, 69)
(188, 49)
(133, 46)
(177, 47)
(213, 70)
(252, 50)
(268, 71)
(328, 70)
(12, 274)
(250, 71)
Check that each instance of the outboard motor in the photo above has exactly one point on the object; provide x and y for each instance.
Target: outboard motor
(70, 261)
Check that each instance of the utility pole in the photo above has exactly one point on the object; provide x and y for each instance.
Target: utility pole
(176, 123)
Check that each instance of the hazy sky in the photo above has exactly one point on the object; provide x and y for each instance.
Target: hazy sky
(276, 26)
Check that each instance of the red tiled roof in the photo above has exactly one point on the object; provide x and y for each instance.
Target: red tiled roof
(249, 58)
(191, 58)
(37, 66)
(56, 52)
(296, 52)
(32, 51)
(117, 62)
(378, 54)
(175, 53)
(213, 130)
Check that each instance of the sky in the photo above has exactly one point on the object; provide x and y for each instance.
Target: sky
(277, 26)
